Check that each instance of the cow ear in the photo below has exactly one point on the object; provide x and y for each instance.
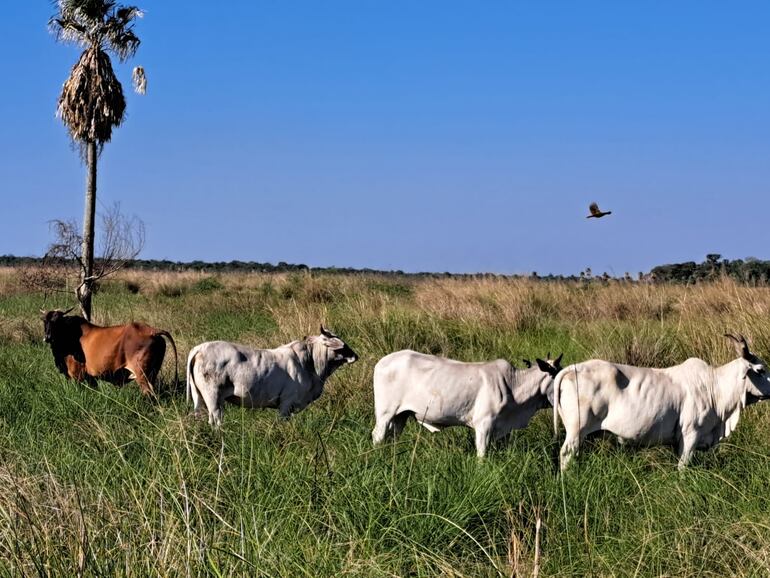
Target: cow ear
(557, 363)
(325, 332)
(527, 362)
(543, 365)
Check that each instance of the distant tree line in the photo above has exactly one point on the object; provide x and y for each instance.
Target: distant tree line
(750, 270)
(257, 267)
(204, 266)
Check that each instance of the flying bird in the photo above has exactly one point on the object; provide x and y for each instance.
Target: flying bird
(596, 212)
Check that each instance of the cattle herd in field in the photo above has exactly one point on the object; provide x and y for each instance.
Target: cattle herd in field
(690, 406)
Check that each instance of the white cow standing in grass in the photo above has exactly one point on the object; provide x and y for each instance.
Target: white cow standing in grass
(288, 377)
(692, 405)
(491, 398)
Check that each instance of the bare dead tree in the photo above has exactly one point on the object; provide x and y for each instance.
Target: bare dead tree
(122, 240)
(64, 267)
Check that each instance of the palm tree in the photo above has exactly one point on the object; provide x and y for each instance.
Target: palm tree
(91, 103)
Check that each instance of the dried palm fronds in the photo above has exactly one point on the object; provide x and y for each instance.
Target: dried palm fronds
(91, 103)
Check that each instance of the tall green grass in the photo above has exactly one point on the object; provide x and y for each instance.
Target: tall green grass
(99, 482)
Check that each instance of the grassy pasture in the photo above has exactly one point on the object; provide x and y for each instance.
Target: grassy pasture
(103, 482)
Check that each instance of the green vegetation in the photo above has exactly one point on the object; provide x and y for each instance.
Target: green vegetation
(103, 482)
(748, 271)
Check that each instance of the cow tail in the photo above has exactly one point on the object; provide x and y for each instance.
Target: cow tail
(556, 397)
(190, 378)
(167, 335)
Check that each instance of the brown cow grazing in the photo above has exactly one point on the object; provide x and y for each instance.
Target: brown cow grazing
(118, 354)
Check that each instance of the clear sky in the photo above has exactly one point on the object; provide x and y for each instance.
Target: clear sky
(416, 135)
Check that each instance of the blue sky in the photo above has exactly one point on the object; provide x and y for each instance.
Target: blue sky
(430, 135)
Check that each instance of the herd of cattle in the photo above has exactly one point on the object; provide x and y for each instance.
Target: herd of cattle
(690, 406)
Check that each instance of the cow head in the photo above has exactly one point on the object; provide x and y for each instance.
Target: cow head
(552, 367)
(754, 370)
(337, 351)
(53, 323)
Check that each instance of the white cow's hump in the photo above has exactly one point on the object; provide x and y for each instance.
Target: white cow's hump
(416, 359)
(225, 347)
(229, 348)
(600, 366)
(692, 364)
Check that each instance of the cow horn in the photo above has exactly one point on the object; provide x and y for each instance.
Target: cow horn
(744, 347)
(741, 345)
(68, 310)
(527, 362)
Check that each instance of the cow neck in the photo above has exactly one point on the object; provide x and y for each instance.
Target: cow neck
(728, 390)
(324, 367)
(68, 343)
(316, 366)
(75, 328)
(85, 326)
(525, 385)
(59, 356)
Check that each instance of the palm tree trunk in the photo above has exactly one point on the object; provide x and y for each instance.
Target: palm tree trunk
(85, 291)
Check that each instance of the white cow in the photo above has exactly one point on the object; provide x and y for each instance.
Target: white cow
(491, 398)
(692, 405)
(288, 377)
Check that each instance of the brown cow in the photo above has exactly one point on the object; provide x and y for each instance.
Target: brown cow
(118, 354)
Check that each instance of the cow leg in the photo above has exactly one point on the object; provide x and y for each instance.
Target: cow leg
(214, 404)
(215, 417)
(145, 385)
(77, 371)
(89, 380)
(483, 436)
(197, 401)
(388, 424)
(152, 373)
(686, 447)
(569, 450)
(286, 408)
(398, 423)
(380, 430)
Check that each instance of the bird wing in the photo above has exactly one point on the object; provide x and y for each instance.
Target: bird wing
(594, 208)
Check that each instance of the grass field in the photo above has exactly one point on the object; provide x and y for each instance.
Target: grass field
(104, 482)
